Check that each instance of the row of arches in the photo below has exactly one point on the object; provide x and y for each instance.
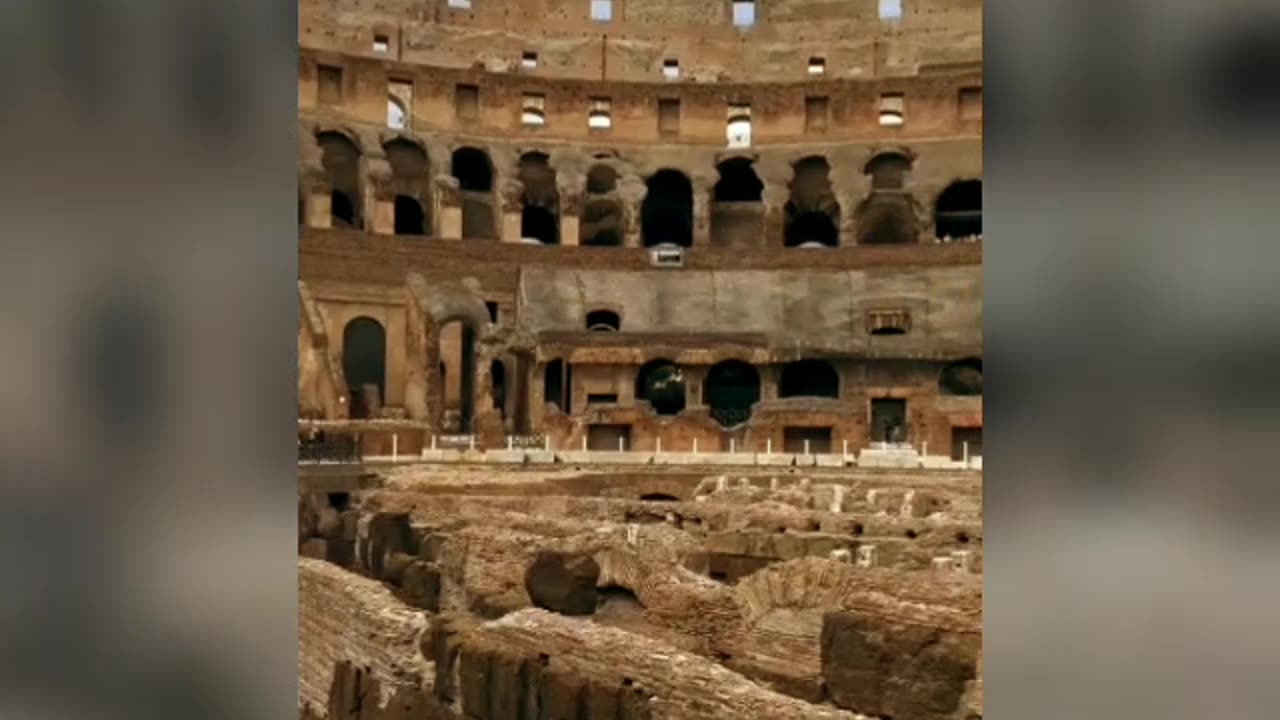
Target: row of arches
(812, 215)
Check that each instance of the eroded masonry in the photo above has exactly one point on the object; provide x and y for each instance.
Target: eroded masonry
(616, 236)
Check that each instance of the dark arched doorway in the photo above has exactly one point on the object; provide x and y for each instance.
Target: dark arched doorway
(364, 364)
(961, 378)
(730, 390)
(666, 215)
(661, 383)
(958, 213)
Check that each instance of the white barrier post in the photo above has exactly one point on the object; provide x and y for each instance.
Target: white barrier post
(844, 449)
(546, 443)
(621, 444)
(658, 446)
(695, 446)
(395, 447)
(584, 443)
(511, 443)
(733, 446)
(471, 444)
(768, 446)
(966, 454)
(806, 448)
(924, 448)
(433, 442)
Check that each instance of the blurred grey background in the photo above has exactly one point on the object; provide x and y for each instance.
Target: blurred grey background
(148, 320)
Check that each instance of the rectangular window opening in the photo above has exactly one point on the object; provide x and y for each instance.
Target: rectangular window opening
(330, 77)
(466, 101)
(529, 60)
(671, 69)
(817, 66)
(533, 110)
(738, 129)
(889, 420)
(888, 322)
(971, 103)
(599, 116)
(816, 110)
(602, 399)
(460, 4)
(744, 13)
(892, 110)
(602, 10)
(381, 43)
(890, 9)
(492, 307)
(669, 117)
(399, 103)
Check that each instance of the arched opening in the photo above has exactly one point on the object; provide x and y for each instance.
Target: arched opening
(601, 179)
(540, 218)
(666, 215)
(474, 172)
(603, 321)
(364, 363)
(730, 390)
(458, 354)
(409, 220)
(961, 378)
(539, 224)
(661, 383)
(342, 210)
(958, 212)
(411, 183)
(556, 386)
(738, 182)
(812, 211)
(659, 497)
(888, 215)
(340, 159)
(809, 378)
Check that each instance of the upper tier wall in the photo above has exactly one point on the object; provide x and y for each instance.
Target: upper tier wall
(780, 112)
(848, 34)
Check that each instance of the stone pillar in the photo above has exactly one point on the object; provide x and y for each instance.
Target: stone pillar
(631, 194)
(570, 216)
(486, 424)
(769, 375)
(448, 208)
(316, 199)
(850, 187)
(511, 203)
(537, 396)
(380, 205)
(702, 190)
(694, 378)
(775, 214)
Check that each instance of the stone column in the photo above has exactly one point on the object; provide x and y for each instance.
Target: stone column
(702, 190)
(850, 188)
(537, 396)
(511, 203)
(380, 204)
(448, 208)
(316, 199)
(775, 199)
(570, 215)
(769, 375)
(631, 194)
(695, 377)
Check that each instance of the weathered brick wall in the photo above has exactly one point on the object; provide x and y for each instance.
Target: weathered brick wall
(344, 617)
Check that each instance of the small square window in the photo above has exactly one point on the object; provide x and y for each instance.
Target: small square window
(381, 43)
(533, 110)
(460, 4)
(817, 66)
(890, 9)
(738, 129)
(671, 69)
(602, 10)
(744, 13)
(529, 60)
(889, 322)
(892, 110)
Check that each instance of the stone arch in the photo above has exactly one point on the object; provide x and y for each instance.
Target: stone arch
(604, 320)
(963, 377)
(809, 378)
(340, 158)
(540, 214)
(474, 171)
(411, 185)
(364, 365)
(812, 211)
(732, 387)
(737, 213)
(807, 583)
(661, 383)
(666, 215)
(958, 210)
(888, 215)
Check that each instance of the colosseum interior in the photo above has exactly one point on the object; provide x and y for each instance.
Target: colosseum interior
(640, 359)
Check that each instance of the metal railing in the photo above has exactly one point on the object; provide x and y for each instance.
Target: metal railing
(337, 449)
